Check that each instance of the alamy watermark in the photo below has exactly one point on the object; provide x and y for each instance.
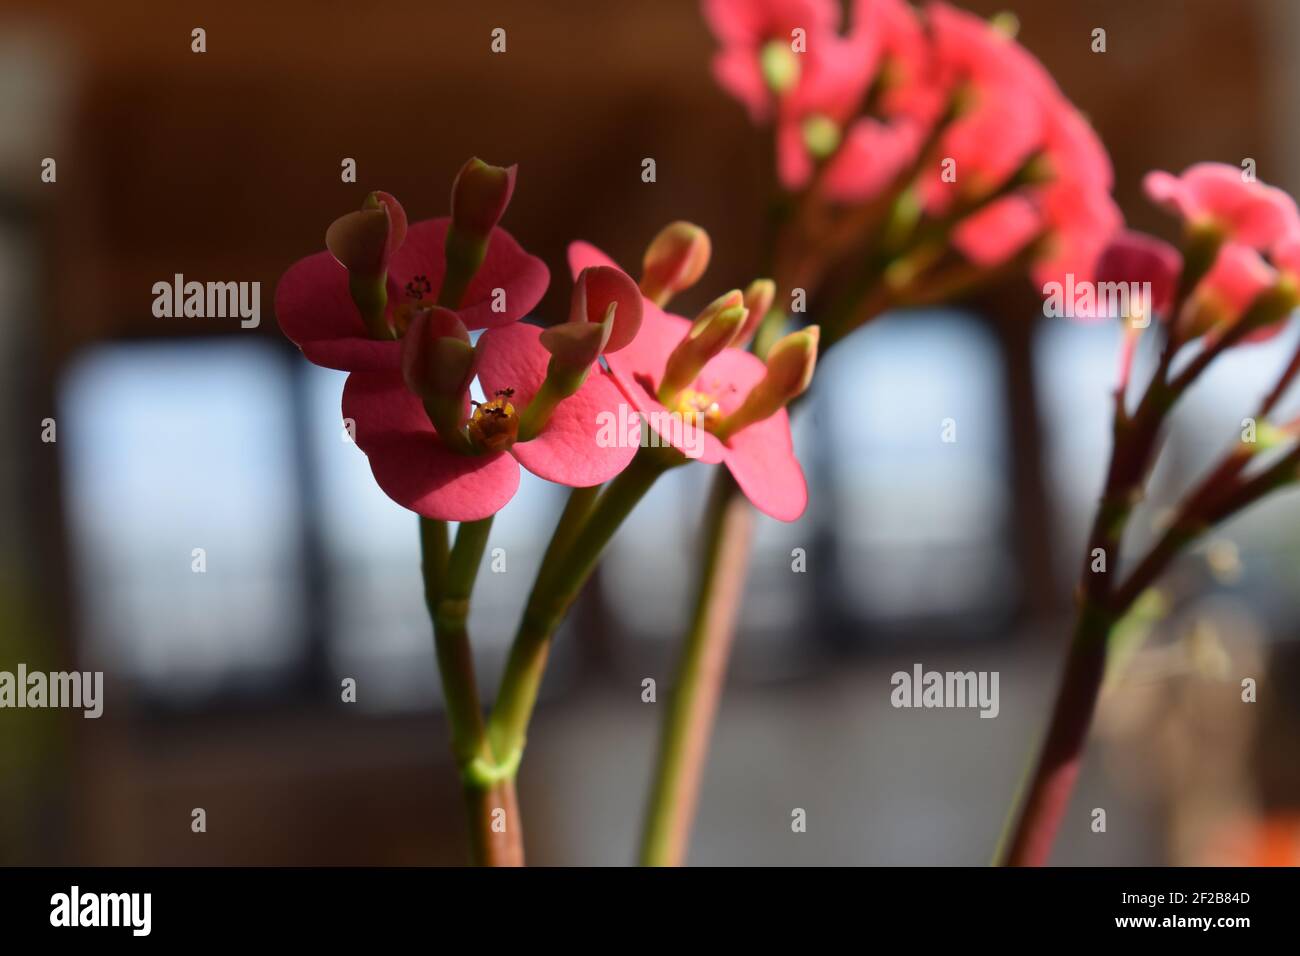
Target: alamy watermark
(75, 689)
(628, 428)
(922, 688)
(1084, 299)
(75, 908)
(209, 300)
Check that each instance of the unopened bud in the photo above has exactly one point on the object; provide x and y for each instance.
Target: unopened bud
(576, 345)
(1273, 304)
(595, 290)
(759, 297)
(437, 358)
(674, 261)
(363, 241)
(821, 135)
(780, 66)
(479, 197)
(790, 365)
(714, 329)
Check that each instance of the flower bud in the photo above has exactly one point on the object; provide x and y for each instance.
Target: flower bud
(780, 66)
(363, 241)
(790, 365)
(479, 197)
(595, 290)
(714, 329)
(437, 358)
(759, 297)
(674, 261)
(1272, 305)
(821, 135)
(576, 345)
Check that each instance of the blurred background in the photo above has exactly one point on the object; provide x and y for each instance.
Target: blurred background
(222, 688)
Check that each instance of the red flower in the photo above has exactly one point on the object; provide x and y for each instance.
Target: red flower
(473, 473)
(760, 456)
(757, 63)
(316, 311)
(1218, 195)
(1221, 298)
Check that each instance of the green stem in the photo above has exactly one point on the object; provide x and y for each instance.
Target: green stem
(564, 571)
(448, 585)
(701, 673)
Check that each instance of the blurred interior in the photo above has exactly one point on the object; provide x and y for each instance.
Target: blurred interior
(175, 434)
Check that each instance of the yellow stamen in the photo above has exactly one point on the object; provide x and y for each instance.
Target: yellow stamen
(494, 425)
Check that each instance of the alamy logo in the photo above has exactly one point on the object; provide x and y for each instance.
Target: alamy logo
(627, 429)
(78, 690)
(209, 300)
(1101, 300)
(75, 908)
(922, 688)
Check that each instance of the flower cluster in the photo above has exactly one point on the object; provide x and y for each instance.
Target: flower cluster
(1242, 239)
(939, 107)
(394, 306)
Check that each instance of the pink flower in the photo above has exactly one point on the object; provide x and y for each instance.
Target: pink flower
(1005, 97)
(1221, 298)
(997, 232)
(874, 154)
(811, 120)
(419, 471)
(757, 63)
(1216, 194)
(316, 311)
(760, 456)
(1070, 213)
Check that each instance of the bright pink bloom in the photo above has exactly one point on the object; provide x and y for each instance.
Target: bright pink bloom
(418, 471)
(1006, 96)
(873, 155)
(1073, 211)
(997, 232)
(760, 457)
(745, 27)
(1248, 212)
(316, 311)
(830, 93)
(1286, 254)
(903, 56)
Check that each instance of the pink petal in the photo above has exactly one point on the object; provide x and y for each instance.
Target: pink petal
(737, 71)
(506, 266)
(584, 254)
(794, 164)
(638, 369)
(1166, 189)
(316, 313)
(998, 231)
(873, 155)
(1251, 212)
(412, 465)
(567, 450)
(761, 459)
(1238, 275)
(1082, 222)
(1286, 253)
